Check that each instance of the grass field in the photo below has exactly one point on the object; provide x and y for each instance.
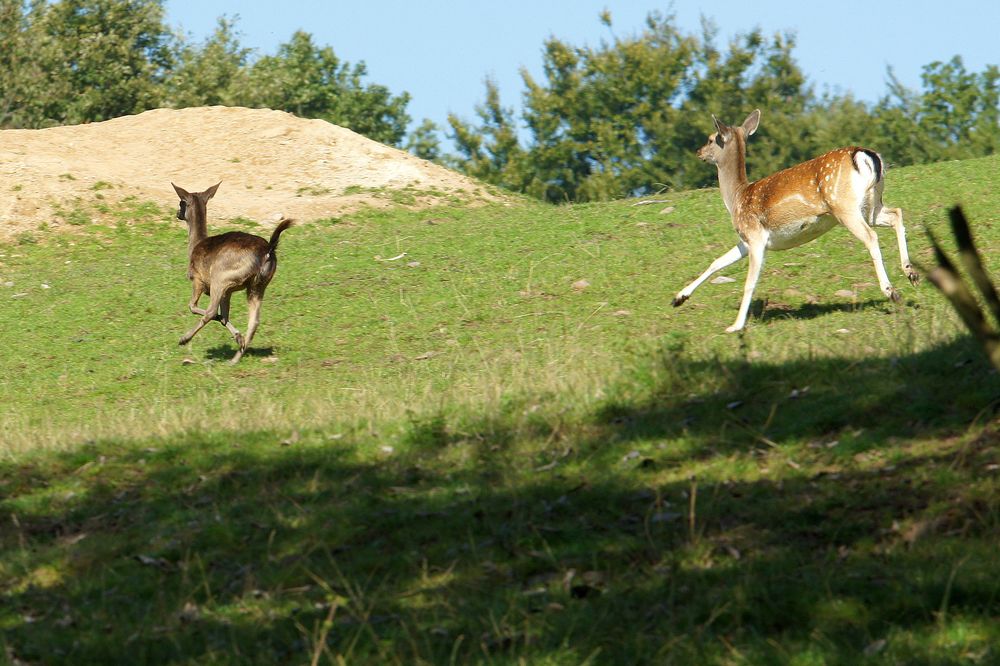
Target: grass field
(467, 455)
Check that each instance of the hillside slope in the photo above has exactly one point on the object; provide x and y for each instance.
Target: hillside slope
(270, 163)
(507, 447)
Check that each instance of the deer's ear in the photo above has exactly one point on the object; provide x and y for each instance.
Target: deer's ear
(720, 126)
(210, 192)
(724, 130)
(181, 192)
(751, 123)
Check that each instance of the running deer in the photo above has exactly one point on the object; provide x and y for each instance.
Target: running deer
(223, 264)
(796, 205)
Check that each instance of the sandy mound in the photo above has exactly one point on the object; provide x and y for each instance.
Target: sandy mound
(270, 163)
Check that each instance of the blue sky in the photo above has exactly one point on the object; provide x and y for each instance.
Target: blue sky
(440, 51)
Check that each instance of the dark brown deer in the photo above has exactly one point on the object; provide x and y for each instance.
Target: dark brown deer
(223, 264)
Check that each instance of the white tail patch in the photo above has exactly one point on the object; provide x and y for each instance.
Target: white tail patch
(866, 168)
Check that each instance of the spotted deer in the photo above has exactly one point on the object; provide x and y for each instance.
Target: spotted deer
(223, 264)
(797, 205)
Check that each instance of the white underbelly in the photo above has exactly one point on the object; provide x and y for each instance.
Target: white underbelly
(801, 231)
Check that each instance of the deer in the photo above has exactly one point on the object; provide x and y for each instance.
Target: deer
(797, 205)
(224, 264)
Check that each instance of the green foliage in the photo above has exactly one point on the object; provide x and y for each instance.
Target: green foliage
(74, 61)
(101, 58)
(214, 72)
(19, 68)
(957, 116)
(625, 117)
(490, 152)
(622, 118)
(617, 119)
(312, 82)
(423, 141)
(302, 77)
(755, 72)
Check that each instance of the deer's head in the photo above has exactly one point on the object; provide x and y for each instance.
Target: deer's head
(193, 206)
(727, 139)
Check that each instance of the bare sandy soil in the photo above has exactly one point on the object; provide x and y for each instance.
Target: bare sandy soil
(271, 163)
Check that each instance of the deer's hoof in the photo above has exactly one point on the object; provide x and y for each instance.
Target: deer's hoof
(679, 300)
(912, 275)
(894, 294)
(184, 340)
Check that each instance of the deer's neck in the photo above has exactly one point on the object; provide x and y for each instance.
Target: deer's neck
(733, 174)
(197, 232)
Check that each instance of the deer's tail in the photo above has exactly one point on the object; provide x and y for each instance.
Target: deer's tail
(871, 160)
(271, 260)
(276, 234)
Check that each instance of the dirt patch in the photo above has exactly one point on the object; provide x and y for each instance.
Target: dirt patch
(271, 163)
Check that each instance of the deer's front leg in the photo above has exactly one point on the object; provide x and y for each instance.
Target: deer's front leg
(756, 251)
(223, 318)
(735, 254)
(209, 315)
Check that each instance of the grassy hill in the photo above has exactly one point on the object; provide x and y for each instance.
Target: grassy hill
(503, 446)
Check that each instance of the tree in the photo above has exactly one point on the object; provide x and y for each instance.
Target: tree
(959, 109)
(80, 60)
(74, 61)
(755, 72)
(313, 82)
(423, 141)
(626, 117)
(104, 58)
(19, 67)
(492, 151)
(600, 118)
(214, 72)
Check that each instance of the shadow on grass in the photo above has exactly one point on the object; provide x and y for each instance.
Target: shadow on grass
(226, 352)
(757, 403)
(766, 310)
(243, 548)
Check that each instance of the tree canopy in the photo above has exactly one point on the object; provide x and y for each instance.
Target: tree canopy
(74, 61)
(625, 117)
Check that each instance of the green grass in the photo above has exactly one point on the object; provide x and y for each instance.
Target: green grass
(456, 456)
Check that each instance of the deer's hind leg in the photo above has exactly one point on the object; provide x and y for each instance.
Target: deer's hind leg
(879, 216)
(254, 300)
(857, 225)
(198, 289)
(894, 217)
